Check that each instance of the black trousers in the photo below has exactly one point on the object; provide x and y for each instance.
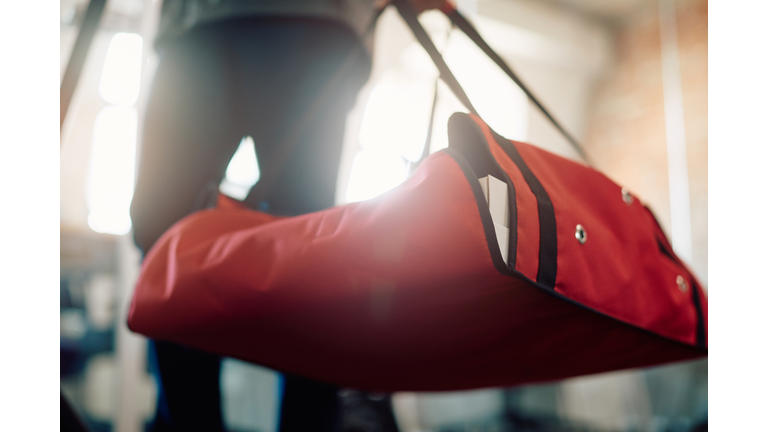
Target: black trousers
(218, 83)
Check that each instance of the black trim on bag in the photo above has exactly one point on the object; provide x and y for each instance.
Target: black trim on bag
(547, 273)
(701, 338)
(701, 334)
(664, 250)
(485, 214)
(498, 262)
(466, 138)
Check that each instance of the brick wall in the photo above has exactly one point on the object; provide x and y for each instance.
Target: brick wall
(626, 129)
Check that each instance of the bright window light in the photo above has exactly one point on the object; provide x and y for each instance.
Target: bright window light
(121, 77)
(373, 173)
(396, 118)
(495, 96)
(111, 170)
(242, 171)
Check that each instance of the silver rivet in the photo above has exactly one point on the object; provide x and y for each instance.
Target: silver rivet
(581, 234)
(682, 284)
(626, 196)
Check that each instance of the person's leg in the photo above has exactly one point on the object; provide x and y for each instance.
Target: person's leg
(363, 411)
(190, 133)
(308, 405)
(189, 138)
(303, 61)
(203, 92)
(300, 62)
(309, 75)
(263, 76)
(189, 395)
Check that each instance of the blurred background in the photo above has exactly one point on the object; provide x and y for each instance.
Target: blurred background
(627, 77)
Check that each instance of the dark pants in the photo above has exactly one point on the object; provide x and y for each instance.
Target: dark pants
(215, 85)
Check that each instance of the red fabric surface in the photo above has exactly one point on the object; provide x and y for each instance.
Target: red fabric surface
(400, 292)
(620, 269)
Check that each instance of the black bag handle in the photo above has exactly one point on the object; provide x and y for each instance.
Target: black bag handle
(409, 14)
(431, 125)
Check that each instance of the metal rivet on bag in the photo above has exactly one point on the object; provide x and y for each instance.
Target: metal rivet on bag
(581, 234)
(682, 284)
(626, 196)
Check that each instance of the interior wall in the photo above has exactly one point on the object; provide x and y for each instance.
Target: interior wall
(625, 132)
(559, 53)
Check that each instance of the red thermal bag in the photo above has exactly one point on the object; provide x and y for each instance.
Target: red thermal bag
(409, 291)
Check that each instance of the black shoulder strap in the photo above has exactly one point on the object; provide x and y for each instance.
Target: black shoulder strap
(431, 126)
(409, 15)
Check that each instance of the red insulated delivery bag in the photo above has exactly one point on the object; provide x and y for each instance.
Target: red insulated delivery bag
(411, 291)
